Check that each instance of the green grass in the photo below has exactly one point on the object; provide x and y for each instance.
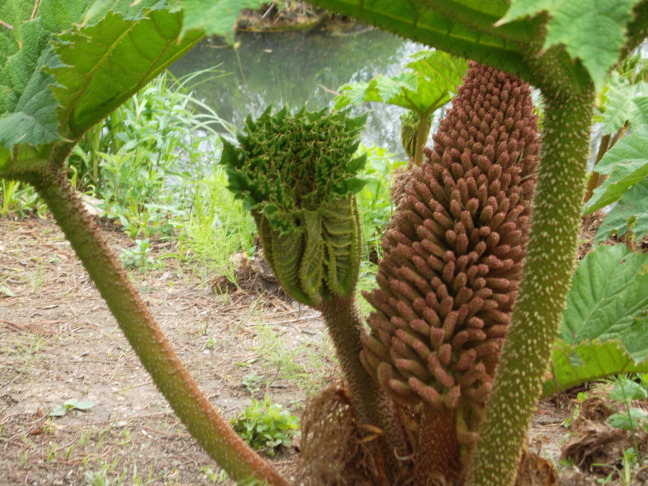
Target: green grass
(307, 365)
(218, 227)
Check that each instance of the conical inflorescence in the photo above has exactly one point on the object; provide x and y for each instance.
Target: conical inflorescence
(453, 258)
(298, 175)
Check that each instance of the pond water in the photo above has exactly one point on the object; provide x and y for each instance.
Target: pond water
(296, 69)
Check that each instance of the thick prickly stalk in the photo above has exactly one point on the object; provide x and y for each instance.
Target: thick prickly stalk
(452, 262)
(546, 280)
(151, 346)
(297, 175)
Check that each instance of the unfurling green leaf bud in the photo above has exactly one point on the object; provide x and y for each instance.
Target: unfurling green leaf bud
(297, 174)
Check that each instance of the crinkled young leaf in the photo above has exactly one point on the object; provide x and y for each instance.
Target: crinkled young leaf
(609, 300)
(626, 163)
(630, 215)
(591, 30)
(389, 89)
(573, 365)
(215, 18)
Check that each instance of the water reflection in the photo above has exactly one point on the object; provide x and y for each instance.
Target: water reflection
(296, 69)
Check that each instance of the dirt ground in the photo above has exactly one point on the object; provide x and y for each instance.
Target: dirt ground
(59, 342)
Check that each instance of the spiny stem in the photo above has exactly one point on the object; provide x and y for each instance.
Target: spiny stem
(371, 403)
(152, 347)
(438, 449)
(545, 281)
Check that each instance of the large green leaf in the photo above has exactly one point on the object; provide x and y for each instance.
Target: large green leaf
(625, 102)
(217, 17)
(605, 325)
(428, 84)
(626, 164)
(609, 300)
(464, 28)
(106, 63)
(61, 82)
(588, 361)
(12, 13)
(630, 215)
(591, 30)
(27, 106)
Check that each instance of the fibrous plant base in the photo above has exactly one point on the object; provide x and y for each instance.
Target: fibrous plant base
(336, 449)
(452, 262)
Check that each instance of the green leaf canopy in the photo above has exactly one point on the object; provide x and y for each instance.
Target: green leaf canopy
(77, 60)
(591, 30)
(428, 84)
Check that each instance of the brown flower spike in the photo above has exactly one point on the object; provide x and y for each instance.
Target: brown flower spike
(453, 258)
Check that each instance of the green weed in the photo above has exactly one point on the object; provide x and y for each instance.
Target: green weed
(19, 200)
(253, 382)
(143, 162)
(215, 475)
(69, 405)
(266, 426)
(138, 256)
(218, 227)
(631, 418)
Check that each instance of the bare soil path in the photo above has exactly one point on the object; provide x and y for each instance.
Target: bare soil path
(59, 342)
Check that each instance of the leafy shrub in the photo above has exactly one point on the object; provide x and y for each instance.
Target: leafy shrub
(143, 162)
(374, 200)
(266, 426)
(632, 418)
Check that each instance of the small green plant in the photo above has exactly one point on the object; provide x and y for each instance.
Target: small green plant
(138, 256)
(580, 398)
(631, 418)
(253, 382)
(266, 426)
(18, 199)
(215, 475)
(69, 405)
(97, 478)
(605, 480)
(628, 475)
